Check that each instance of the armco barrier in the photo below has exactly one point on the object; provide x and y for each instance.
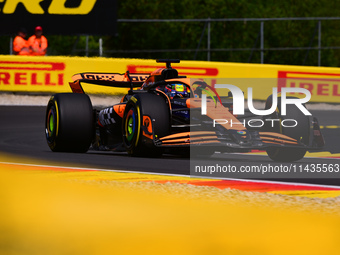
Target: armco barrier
(52, 74)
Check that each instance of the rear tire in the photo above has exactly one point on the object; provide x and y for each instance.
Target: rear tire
(300, 132)
(153, 106)
(69, 124)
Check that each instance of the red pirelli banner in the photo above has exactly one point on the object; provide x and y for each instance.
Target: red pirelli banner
(32, 73)
(52, 74)
(323, 85)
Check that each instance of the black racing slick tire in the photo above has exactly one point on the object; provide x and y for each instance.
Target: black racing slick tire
(300, 132)
(69, 124)
(155, 109)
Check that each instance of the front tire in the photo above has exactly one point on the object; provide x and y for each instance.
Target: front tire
(140, 107)
(300, 132)
(69, 125)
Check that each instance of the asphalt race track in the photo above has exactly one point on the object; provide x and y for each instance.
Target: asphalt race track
(22, 134)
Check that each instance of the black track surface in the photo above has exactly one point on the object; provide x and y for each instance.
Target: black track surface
(22, 134)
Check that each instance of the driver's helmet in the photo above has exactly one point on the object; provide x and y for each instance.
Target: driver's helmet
(177, 90)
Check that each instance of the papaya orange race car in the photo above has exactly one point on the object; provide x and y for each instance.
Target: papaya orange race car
(162, 113)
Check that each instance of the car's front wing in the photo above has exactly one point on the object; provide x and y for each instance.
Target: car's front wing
(241, 139)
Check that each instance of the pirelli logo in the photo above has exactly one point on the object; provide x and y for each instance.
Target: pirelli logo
(31, 73)
(319, 84)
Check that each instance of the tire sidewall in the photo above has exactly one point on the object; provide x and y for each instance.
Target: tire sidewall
(154, 107)
(74, 122)
(300, 132)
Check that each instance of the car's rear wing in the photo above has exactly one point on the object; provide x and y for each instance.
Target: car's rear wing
(117, 80)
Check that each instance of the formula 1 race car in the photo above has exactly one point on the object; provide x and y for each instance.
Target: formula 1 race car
(164, 115)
